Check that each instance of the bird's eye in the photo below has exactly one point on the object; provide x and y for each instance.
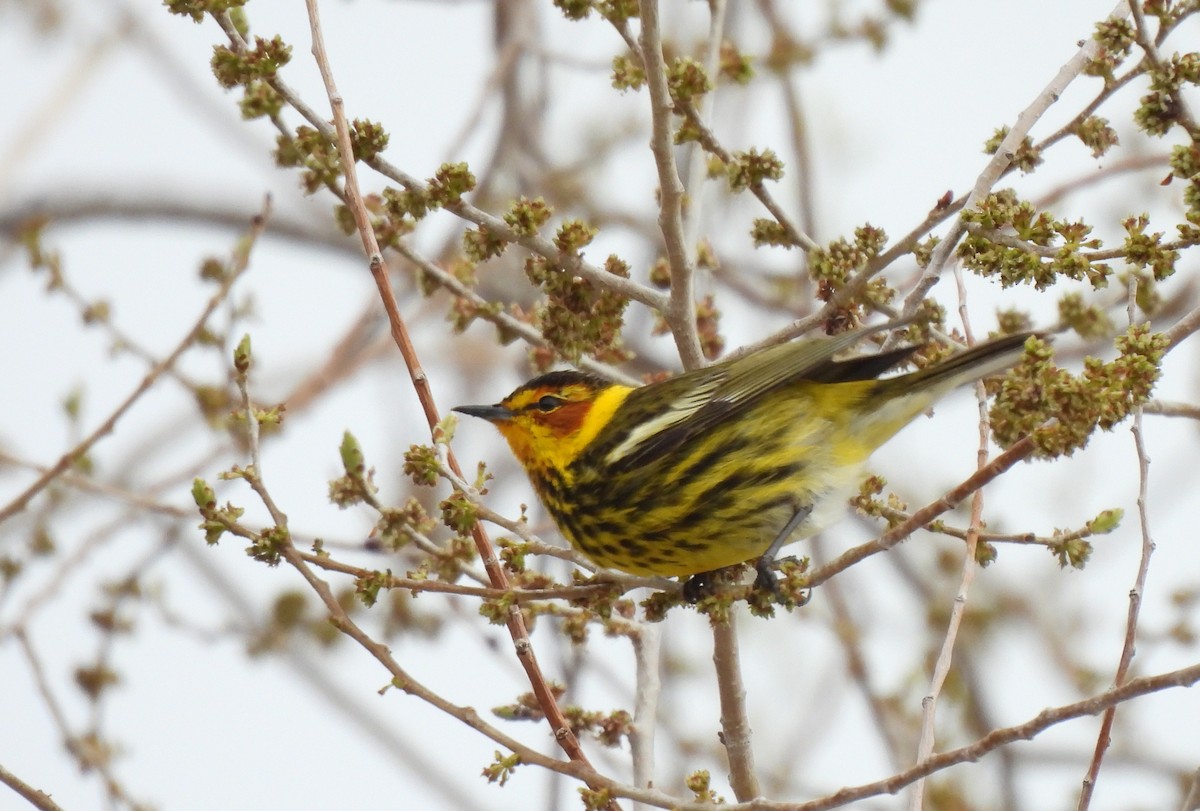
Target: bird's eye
(548, 403)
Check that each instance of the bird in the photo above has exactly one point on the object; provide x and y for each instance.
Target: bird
(722, 464)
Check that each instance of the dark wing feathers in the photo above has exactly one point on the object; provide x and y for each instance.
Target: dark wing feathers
(662, 442)
(656, 420)
(864, 367)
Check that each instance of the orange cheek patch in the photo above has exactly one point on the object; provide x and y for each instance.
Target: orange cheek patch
(566, 419)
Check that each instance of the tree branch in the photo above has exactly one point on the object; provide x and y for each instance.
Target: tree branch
(37, 798)
(238, 265)
(515, 621)
(1000, 161)
(680, 311)
(735, 725)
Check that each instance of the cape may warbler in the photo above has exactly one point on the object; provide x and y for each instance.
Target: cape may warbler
(722, 464)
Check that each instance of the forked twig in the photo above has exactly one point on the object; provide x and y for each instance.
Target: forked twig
(1104, 738)
(1003, 156)
(680, 310)
(735, 725)
(941, 668)
(514, 620)
(241, 261)
(1184, 677)
(1019, 450)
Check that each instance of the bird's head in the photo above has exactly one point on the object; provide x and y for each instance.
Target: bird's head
(551, 419)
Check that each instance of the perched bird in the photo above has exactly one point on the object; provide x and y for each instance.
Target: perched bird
(722, 464)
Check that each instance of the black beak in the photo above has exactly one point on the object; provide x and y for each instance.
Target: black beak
(491, 413)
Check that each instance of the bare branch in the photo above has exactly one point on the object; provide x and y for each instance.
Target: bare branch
(1135, 594)
(680, 311)
(37, 798)
(941, 668)
(735, 726)
(1184, 677)
(241, 260)
(515, 621)
(1019, 450)
(1000, 161)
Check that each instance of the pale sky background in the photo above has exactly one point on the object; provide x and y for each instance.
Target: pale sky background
(202, 727)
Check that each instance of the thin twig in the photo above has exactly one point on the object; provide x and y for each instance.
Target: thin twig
(514, 619)
(1019, 450)
(568, 263)
(241, 261)
(1184, 677)
(695, 171)
(1001, 160)
(86, 206)
(314, 670)
(121, 341)
(1016, 538)
(735, 725)
(1054, 251)
(142, 498)
(1132, 163)
(941, 668)
(708, 139)
(1181, 112)
(42, 683)
(797, 123)
(849, 632)
(501, 319)
(403, 681)
(392, 581)
(855, 285)
(647, 655)
(680, 312)
(1104, 738)
(88, 752)
(35, 797)
(971, 753)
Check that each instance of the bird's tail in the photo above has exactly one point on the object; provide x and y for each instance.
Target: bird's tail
(965, 367)
(893, 402)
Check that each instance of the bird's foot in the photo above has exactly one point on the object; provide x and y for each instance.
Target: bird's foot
(698, 586)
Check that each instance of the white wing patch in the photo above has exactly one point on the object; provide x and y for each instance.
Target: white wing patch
(678, 411)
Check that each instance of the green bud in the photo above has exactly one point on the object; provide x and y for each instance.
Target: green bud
(242, 356)
(627, 74)
(1106, 521)
(203, 495)
(352, 456)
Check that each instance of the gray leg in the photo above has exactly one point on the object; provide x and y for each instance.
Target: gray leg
(766, 577)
